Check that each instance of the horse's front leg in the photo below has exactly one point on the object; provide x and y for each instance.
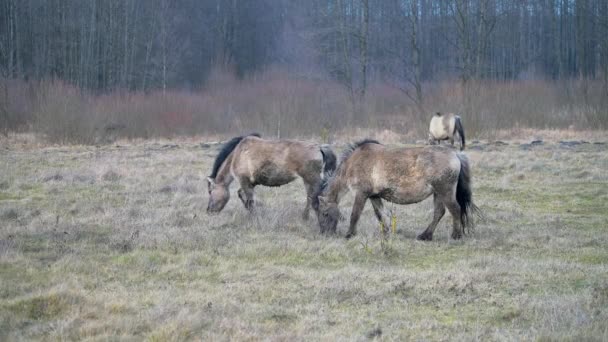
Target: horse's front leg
(246, 195)
(358, 206)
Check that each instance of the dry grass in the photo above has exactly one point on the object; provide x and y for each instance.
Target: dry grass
(113, 243)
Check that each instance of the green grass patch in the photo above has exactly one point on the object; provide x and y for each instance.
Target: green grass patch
(567, 199)
(7, 196)
(19, 278)
(43, 307)
(141, 257)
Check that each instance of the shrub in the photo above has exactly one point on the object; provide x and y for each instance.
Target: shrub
(279, 104)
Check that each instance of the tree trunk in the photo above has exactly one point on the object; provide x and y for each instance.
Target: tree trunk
(346, 60)
(416, 60)
(364, 49)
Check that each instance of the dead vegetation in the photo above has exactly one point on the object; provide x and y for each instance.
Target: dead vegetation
(113, 242)
(276, 103)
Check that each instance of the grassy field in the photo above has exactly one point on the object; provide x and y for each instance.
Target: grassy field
(113, 243)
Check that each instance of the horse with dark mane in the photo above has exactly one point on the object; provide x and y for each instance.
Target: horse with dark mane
(256, 161)
(401, 176)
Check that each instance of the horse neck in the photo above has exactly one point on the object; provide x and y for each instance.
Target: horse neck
(224, 175)
(335, 189)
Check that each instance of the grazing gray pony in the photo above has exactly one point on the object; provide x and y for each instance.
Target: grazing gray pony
(255, 161)
(445, 127)
(402, 176)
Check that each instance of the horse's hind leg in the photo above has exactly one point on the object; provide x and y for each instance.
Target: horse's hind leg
(437, 215)
(379, 211)
(358, 206)
(309, 194)
(246, 195)
(454, 209)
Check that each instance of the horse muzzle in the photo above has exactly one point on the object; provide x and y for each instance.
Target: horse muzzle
(213, 211)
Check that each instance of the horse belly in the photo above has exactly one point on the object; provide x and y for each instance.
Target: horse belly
(271, 174)
(408, 195)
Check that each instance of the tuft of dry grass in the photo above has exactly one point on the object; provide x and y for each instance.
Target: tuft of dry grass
(113, 242)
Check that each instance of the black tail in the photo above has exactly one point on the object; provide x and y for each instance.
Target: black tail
(464, 195)
(460, 129)
(329, 159)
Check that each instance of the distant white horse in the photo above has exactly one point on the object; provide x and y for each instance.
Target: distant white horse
(445, 127)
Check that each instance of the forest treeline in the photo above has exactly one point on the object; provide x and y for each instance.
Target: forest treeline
(158, 44)
(87, 71)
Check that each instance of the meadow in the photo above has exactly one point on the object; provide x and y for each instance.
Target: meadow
(112, 242)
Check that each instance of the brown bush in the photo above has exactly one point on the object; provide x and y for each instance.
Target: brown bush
(276, 103)
(15, 105)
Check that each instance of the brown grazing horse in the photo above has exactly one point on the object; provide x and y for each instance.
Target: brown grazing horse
(445, 127)
(401, 176)
(255, 161)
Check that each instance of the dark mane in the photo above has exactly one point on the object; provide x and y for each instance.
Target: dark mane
(352, 147)
(320, 188)
(330, 175)
(226, 150)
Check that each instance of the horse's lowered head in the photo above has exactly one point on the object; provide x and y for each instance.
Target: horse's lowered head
(218, 183)
(327, 210)
(328, 214)
(219, 194)
(326, 197)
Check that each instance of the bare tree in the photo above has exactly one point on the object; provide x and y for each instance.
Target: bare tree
(416, 58)
(363, 48)
(159, 44)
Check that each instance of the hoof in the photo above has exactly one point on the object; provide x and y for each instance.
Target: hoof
(456, 236)
(424, 237)
(349, 236)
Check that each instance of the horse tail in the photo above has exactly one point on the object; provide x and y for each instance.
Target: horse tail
(458, 127)
(464, 195)
(330, 160)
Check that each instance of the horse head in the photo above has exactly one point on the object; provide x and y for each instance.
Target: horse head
(219, 194)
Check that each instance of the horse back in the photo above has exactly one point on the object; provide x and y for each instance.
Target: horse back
(275, 163)
(402, 175)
